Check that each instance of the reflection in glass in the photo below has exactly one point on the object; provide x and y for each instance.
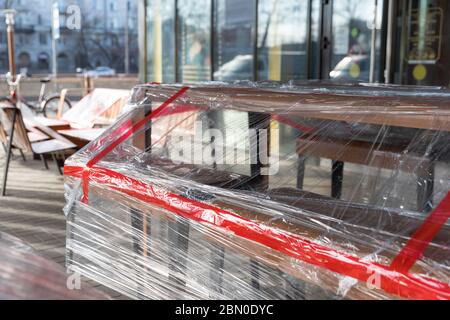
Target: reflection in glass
(233, 49)
(425, 45)
(160, 40)
(314, 52)
(194, 40)
(282, 40)
(353, 23)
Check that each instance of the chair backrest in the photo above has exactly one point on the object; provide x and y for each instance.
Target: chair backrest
(21, 139)
(110, 115)
(3, 136)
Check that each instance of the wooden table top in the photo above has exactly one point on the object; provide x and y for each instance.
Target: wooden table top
(402, 109)
(54, 124)
(83, 134)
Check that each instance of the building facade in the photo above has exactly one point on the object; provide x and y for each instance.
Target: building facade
(404, 41)
(100, 39)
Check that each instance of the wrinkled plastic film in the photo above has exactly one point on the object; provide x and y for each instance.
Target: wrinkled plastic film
(251, 191)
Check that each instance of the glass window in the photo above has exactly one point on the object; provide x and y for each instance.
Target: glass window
(314, 51)
(282, 39)
(352, 34)
(424, 49)
(194, 40)
(160, 40)
(233, 44)
(42, 38)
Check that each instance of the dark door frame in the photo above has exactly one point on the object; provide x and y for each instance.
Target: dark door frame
(326, 39)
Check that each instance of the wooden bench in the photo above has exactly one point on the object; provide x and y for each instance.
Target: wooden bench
(383, 156)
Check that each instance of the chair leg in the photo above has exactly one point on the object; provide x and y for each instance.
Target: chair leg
(44, 161)
(254, 273)
(337, 176)
(22, 155)
(217, 265)
(5, 174)
(179, 240)
(301, 171)
(55, 159)
(137, 225)
(425, 185)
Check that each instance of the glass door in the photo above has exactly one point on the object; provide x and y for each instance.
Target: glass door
(194, 40)
(282, 39)
(353, 40)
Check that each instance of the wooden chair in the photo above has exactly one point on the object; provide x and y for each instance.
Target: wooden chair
(4, 142)
(368, 154)
(56, 144)
(34, 135)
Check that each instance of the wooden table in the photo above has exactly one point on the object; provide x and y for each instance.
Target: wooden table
(405, 110)
(81, 137)
(53, 124)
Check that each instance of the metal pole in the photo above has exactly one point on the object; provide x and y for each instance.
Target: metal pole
(9, 19)
(389, 41)
(54, 60)
(10, 35)
(212, 40)
(373, 50)
(255, 42)
(55, 36)
(9, 151)
(127, 39)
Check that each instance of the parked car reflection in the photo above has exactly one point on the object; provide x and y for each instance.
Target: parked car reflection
(238, 68)
(352, 68)
(101, 72)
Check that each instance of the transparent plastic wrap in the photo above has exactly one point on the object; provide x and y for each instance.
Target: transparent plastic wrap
(26, 275)
(100, 107)
(257, 191)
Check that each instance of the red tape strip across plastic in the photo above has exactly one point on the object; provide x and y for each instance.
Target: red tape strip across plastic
(402, 284)
(415, 247)
(124, 132)
(131, 129)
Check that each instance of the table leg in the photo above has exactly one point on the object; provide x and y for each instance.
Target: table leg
(179, 241)
(22, 155)
(425, 186)
(136, 226)
(301, 171)
(258, 121)
(216, 271)
(254, 273)
(57, 164)
(337, 176)
(44, 161)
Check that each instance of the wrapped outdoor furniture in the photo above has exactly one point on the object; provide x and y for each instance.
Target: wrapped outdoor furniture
(258, 191)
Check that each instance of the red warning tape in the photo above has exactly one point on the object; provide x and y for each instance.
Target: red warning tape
(124, 132)
(420, 240)
(131, 129)
(402, 284)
